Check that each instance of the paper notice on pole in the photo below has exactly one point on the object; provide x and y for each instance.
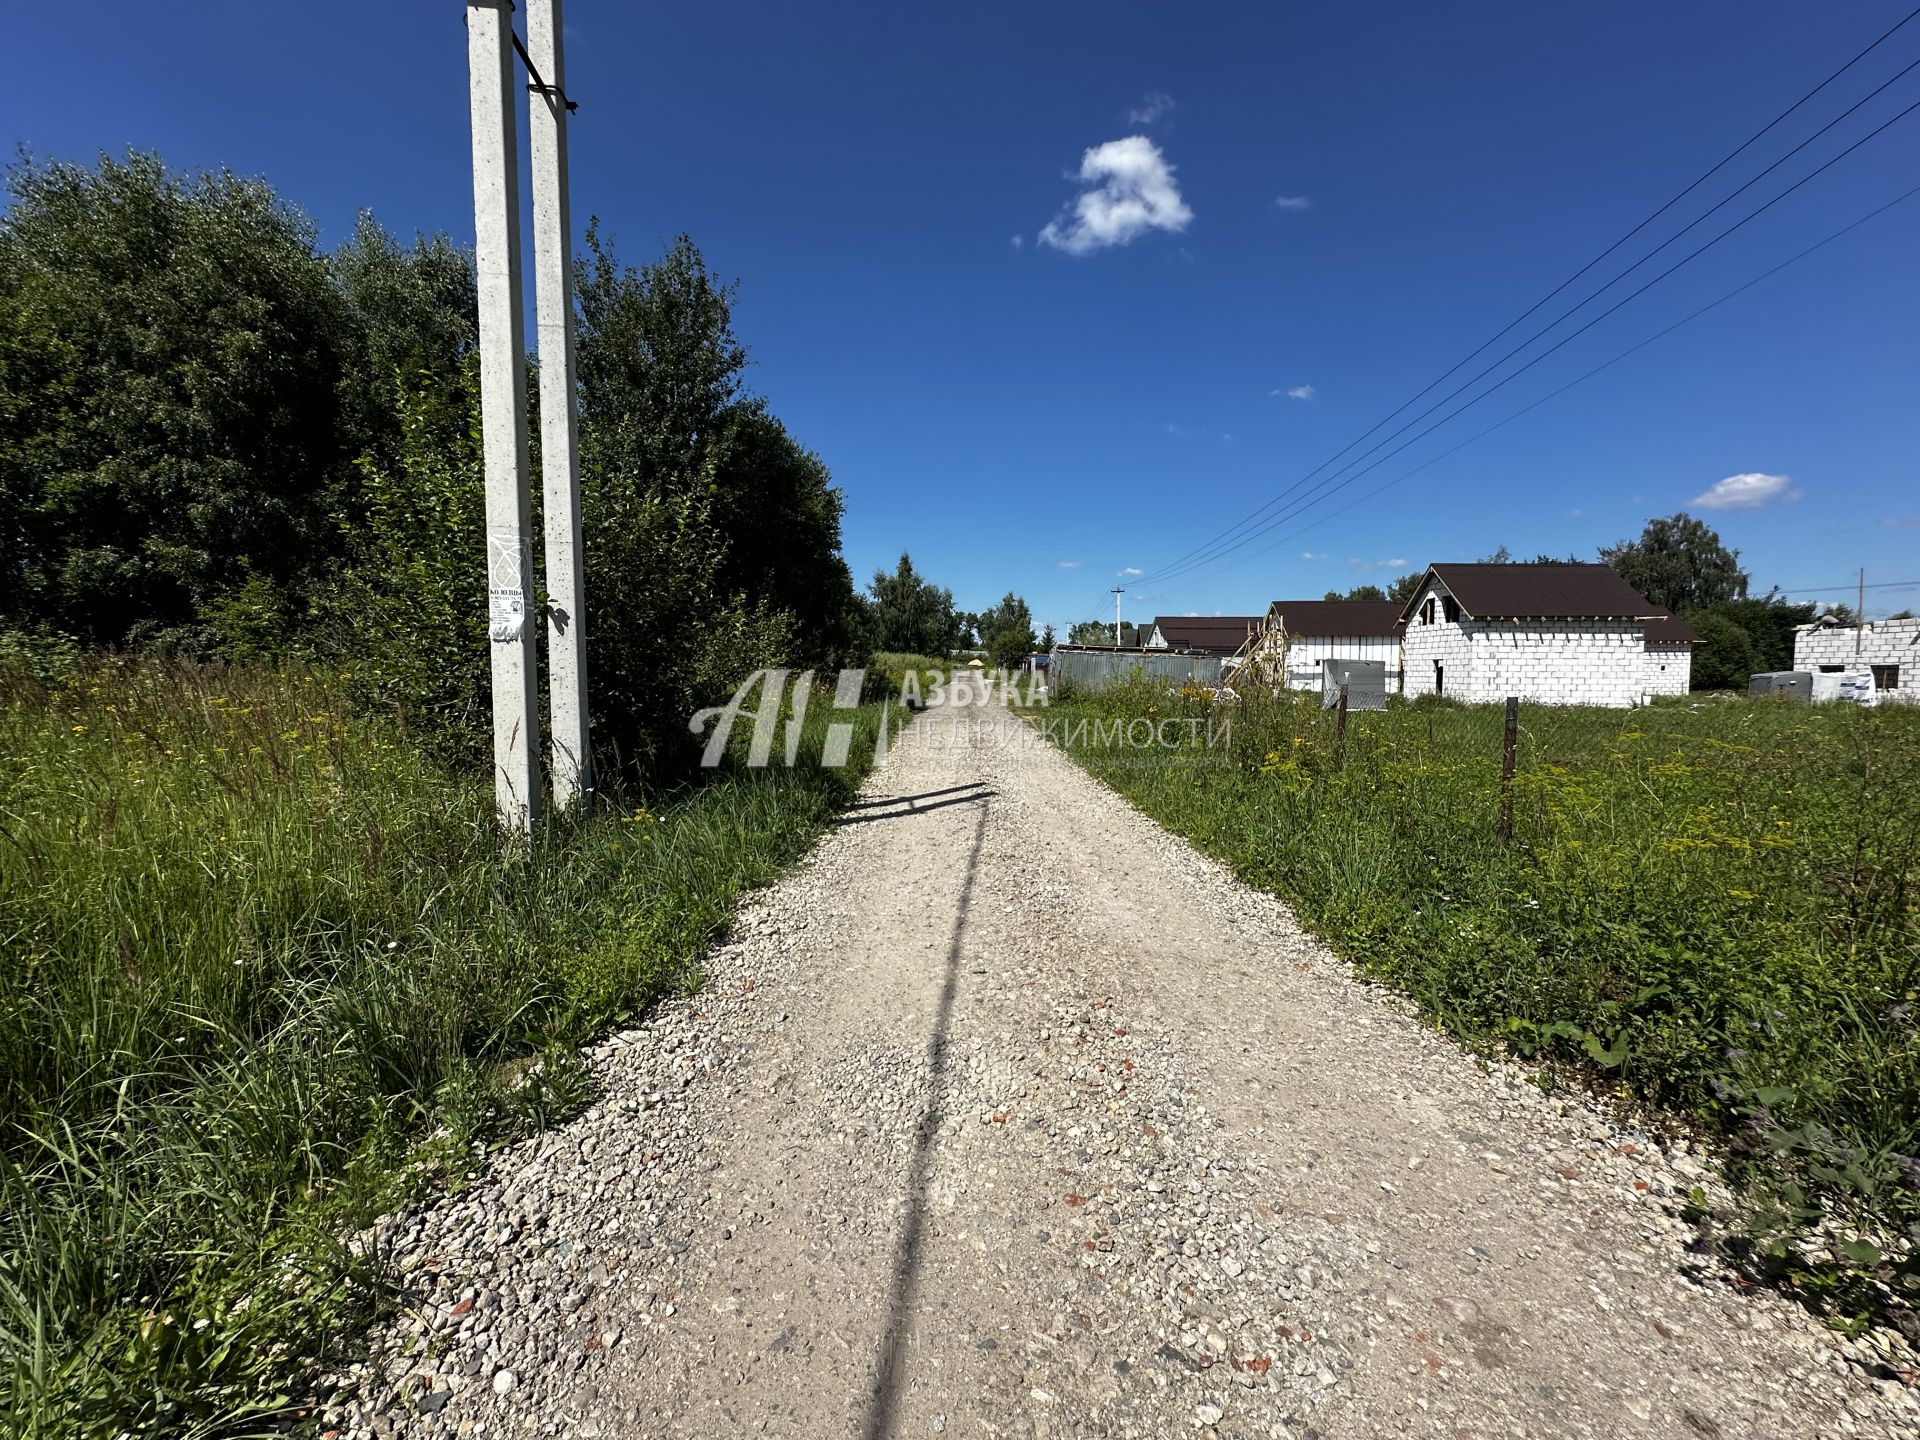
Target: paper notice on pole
(506, 594)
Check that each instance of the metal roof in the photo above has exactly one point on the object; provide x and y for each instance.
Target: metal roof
(1540, 592)
(1205, 634)
(1669, 629)
(1336, 618)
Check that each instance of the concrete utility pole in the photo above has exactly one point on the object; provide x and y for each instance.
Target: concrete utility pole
(1118, 591)
(559, 436)
(503, 402)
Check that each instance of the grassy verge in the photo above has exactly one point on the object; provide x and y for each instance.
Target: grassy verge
(1713, 908)
(265, 965)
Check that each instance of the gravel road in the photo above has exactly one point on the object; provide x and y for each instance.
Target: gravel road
(1009, 1114)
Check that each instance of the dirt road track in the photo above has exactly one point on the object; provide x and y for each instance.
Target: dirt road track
(1010, 1115)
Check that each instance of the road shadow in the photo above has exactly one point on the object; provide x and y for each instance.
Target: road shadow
(884, 1411)
(910, 799)
(908, 805)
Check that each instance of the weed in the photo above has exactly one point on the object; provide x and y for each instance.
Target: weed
(1714, 909)
(268, 968)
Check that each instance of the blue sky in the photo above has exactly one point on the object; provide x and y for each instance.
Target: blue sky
(1313, 213)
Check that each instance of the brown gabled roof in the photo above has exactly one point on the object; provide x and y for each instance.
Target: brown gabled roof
(1540, 592)
(1336, 618)
(1206, 634)
(1669, 629)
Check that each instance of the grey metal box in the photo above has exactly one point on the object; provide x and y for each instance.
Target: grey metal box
(1793, 684)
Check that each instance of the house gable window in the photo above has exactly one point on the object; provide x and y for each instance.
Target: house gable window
(1450, 607)
(1426, 611)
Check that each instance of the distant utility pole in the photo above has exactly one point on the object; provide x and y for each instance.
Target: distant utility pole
(503, 401)
(1118, 591)
(1860, 615)
(559, 432)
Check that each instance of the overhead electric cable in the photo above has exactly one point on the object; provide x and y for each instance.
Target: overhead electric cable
(1562, 286)
(1320, 491)
(1555, 394)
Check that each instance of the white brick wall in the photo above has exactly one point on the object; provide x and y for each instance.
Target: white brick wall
(1669, 669)
(1548, 662)
(1448, 645)
(1882, 642)
(1305, 652)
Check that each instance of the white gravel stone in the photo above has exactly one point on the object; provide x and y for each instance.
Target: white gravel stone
(1006, 1093)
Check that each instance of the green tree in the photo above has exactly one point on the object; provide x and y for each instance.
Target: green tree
(1403, 589)
(1726, 655)
(415, 576)
(659, 365)
(1359, 592)
(171, 425)
(911, 614)
(1090, 632)
(1006, 631)
(1767, 624)
(777, 508)
(413, 312)
(1679, 562)
(1047, 638)
(684, 584)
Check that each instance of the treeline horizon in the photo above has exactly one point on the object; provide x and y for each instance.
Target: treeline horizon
(221, 441)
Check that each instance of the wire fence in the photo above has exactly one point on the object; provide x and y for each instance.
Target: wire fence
(1521, 770)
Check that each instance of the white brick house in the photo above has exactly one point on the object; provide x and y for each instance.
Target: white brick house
(1551, 634)
(1298, 634)
(1670, 642)
(1889, 648)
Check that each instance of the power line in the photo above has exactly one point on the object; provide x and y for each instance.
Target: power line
(1322, 490)
(1850, 586)
(1687, 319)
(1575, 309)
(1310, 498)
(1562, 286)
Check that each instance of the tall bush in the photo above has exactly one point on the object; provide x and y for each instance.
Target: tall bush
(171, 436)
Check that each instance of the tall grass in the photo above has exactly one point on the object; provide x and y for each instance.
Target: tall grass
(257, 951)
(1713, 907)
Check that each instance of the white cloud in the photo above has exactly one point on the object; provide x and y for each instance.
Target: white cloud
(1394, 564)
(1071, 564)
(1018, 241)
(1901, 522)
(1293, 202)
(1131, 191)
(1745, 492)
(1300, 392)
(1132, 570)
(1156, 104)
(1313, 554)
(1575, 514)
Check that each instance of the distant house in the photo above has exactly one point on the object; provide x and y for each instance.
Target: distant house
(1553, 634)
(1889, 648)
(1201, 634)
(1296, 635)
(1669, 654)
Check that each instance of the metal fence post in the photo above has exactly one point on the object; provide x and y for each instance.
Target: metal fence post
(1506, 767)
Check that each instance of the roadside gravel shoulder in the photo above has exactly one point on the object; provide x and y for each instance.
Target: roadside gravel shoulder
(1008, 1113)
